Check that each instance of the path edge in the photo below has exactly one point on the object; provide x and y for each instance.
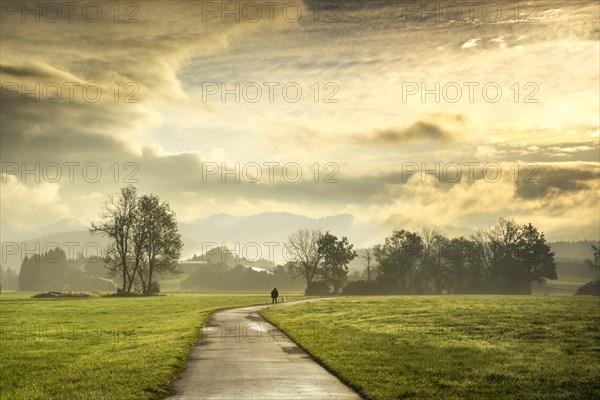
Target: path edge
(312, 356)
(168, 391)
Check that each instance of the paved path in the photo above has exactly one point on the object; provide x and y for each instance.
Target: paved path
(241, 356)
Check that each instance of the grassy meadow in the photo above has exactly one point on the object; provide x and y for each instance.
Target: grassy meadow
(454, 347)
(101, 348)
(394, 347)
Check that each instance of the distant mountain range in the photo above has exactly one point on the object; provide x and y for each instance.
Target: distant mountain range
(269, 230)
(252, 237)
(9, 233)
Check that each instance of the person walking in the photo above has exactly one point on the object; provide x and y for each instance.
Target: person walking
(274, 295)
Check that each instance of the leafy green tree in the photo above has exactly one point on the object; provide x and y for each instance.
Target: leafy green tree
(397, 259)
(534, 257)
(144, 238)
(161, 245)
(335, 254)
(465, 267)
(515, 256)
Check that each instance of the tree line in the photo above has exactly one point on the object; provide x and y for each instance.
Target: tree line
(507, 258)
(52, 270)
(9, 279)
(144, 239)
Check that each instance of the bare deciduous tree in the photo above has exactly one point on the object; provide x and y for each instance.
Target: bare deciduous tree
(303, 251)
(117, 218)
(144, 238)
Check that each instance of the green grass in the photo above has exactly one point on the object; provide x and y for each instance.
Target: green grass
(101, 348)
(454, 347)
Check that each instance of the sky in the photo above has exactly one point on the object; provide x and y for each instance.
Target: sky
(395, 114)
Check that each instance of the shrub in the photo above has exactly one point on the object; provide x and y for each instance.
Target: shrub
(154, 288)
(317, 288)
(122, 293)
(361, 288)
(591, 289)
(56, 295)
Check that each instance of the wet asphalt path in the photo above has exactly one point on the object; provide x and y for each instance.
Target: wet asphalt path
(241, 356)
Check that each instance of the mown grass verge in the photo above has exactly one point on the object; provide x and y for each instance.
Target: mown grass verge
(454, 347)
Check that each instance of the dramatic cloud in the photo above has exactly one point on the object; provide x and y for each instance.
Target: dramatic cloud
(390, 118)
(553, 181)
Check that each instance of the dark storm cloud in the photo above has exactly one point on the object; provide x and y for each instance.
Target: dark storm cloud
(551, 180)
(418, 132)
(26, 71)
(65, 130)
(146, 54)
(187, 173)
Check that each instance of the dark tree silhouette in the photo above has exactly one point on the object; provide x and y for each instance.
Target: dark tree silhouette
(303, 252)
(144, 238)
(398, 258)
(594, 264)
(117, 220)
(335, 254)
